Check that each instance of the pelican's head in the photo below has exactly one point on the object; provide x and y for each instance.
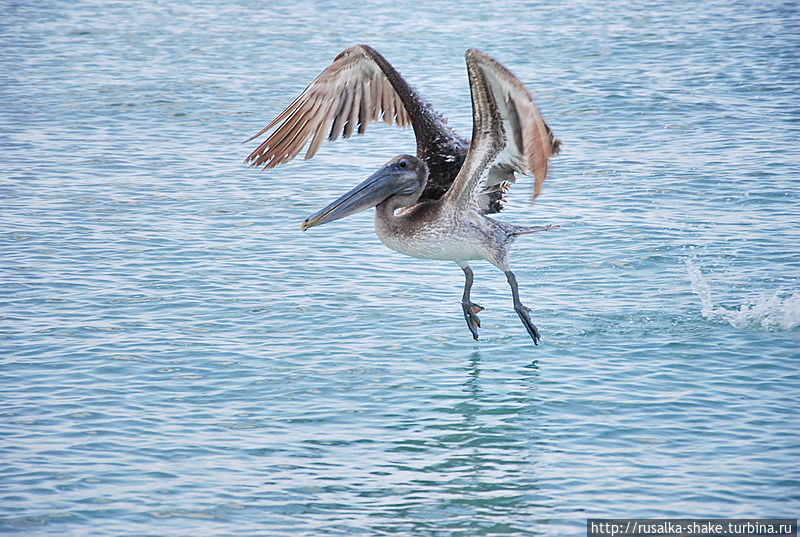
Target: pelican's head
(402, 180)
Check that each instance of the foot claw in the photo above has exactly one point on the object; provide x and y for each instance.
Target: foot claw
(529, 326)
(470, 314)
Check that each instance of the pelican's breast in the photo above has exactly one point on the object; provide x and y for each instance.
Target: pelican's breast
(425, 232)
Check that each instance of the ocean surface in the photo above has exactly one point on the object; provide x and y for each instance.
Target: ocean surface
(177, 358)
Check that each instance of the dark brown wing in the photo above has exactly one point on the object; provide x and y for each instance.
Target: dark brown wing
(508, 135)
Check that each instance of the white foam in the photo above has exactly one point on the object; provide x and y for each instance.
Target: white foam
(777, 311)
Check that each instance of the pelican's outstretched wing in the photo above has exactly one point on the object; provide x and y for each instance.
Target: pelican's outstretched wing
(508, 135)
(359, 87)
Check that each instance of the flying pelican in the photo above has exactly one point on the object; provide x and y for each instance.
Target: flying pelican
(431, 205)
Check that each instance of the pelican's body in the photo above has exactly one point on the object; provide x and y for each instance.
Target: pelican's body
(432, 205)
(429, 231)
(425, 231)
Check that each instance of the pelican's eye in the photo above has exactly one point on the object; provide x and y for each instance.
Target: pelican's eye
(403, 164)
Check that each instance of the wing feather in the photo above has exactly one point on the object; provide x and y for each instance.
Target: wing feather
(284, 134)
(351, 92)
(388, 104)
(319, 129)
(376, 90)
(295, 129)
(365, 111)
(355, 108)
(400, 112)
(508, 135)
(290, 147)
(342, 114)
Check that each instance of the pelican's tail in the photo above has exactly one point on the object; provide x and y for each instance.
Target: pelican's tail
(523, 230)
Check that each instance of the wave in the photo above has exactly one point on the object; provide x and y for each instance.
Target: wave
(777, 311)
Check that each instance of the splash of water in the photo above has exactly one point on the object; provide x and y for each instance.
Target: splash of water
(778, 311)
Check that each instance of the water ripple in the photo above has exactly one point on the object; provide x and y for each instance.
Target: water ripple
(178, 357)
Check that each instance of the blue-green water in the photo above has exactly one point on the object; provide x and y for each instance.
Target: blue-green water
(179, 359)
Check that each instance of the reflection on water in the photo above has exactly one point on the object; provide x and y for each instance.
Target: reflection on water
(475, 458)
(178, 357)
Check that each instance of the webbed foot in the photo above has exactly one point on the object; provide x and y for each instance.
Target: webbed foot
(523, 312)
(471, 311)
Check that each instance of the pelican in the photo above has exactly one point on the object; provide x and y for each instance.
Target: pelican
(432, 205)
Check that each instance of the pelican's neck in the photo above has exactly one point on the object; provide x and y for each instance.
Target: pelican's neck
(384, 211)
(385, 218)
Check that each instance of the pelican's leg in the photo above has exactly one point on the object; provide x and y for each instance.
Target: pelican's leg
(520, 308)
(470, 308)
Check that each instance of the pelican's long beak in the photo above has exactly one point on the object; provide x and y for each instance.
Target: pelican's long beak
(370, 193)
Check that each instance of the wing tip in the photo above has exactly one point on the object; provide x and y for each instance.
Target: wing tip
(474, 55)
(362, 48)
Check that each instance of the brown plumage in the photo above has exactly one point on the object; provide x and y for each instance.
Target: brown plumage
(432, 205)
(508, 135)
(352, 91)
(361, 87)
